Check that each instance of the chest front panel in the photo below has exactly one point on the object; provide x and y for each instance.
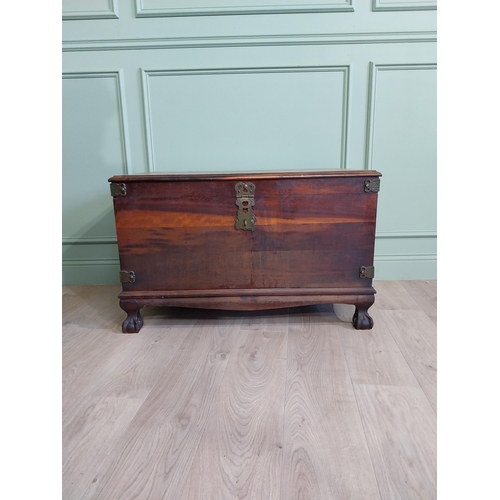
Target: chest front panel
(309, 232)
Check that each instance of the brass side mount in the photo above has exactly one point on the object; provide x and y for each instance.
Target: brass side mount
(118, 189)
(367, 272)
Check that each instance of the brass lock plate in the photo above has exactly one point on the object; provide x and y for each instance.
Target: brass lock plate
(245, 199)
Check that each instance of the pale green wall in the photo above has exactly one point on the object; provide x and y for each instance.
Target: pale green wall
(240, 85)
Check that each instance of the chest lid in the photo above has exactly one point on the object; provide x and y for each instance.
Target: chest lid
(230, 176)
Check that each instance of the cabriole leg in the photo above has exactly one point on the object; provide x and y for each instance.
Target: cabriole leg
(133, 322)
(361, 319)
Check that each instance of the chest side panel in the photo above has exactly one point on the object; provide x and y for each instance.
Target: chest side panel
(308, 233)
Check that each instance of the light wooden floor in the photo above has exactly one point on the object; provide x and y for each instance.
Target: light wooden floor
(287, 404)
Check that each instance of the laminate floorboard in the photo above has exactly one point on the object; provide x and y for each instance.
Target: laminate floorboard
(425, 294)
(283, 405)
(154, 456)
(374, 357)
(400, 426)
(240, 454)
(92, 428)
(392, 295)
(85, 366)
(85, 309)
(415, 335)
(325, 454)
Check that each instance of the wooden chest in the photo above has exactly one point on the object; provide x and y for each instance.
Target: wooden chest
(246, 241)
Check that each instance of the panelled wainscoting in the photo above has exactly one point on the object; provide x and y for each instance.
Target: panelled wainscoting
(160, 85)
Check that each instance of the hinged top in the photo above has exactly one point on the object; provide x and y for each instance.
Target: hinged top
(231, 176)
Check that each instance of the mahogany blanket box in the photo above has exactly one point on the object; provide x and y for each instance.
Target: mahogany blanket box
(246, 241)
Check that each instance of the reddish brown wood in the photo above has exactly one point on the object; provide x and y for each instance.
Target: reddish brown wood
(361, 319)
(251, 176)
(313, 233)
(244, 303)
(133, 323)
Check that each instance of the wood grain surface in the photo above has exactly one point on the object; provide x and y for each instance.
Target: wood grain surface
(323, 435)
(400, 426)
(157, 449)
(282, 404)
(425, 294)
(309, 233)
(243, 443)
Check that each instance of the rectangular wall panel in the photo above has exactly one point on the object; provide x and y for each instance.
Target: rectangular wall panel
(94, 148)
(388, 5)
(247, 119)
(166, 8)
(401, 142)
(89, 9)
